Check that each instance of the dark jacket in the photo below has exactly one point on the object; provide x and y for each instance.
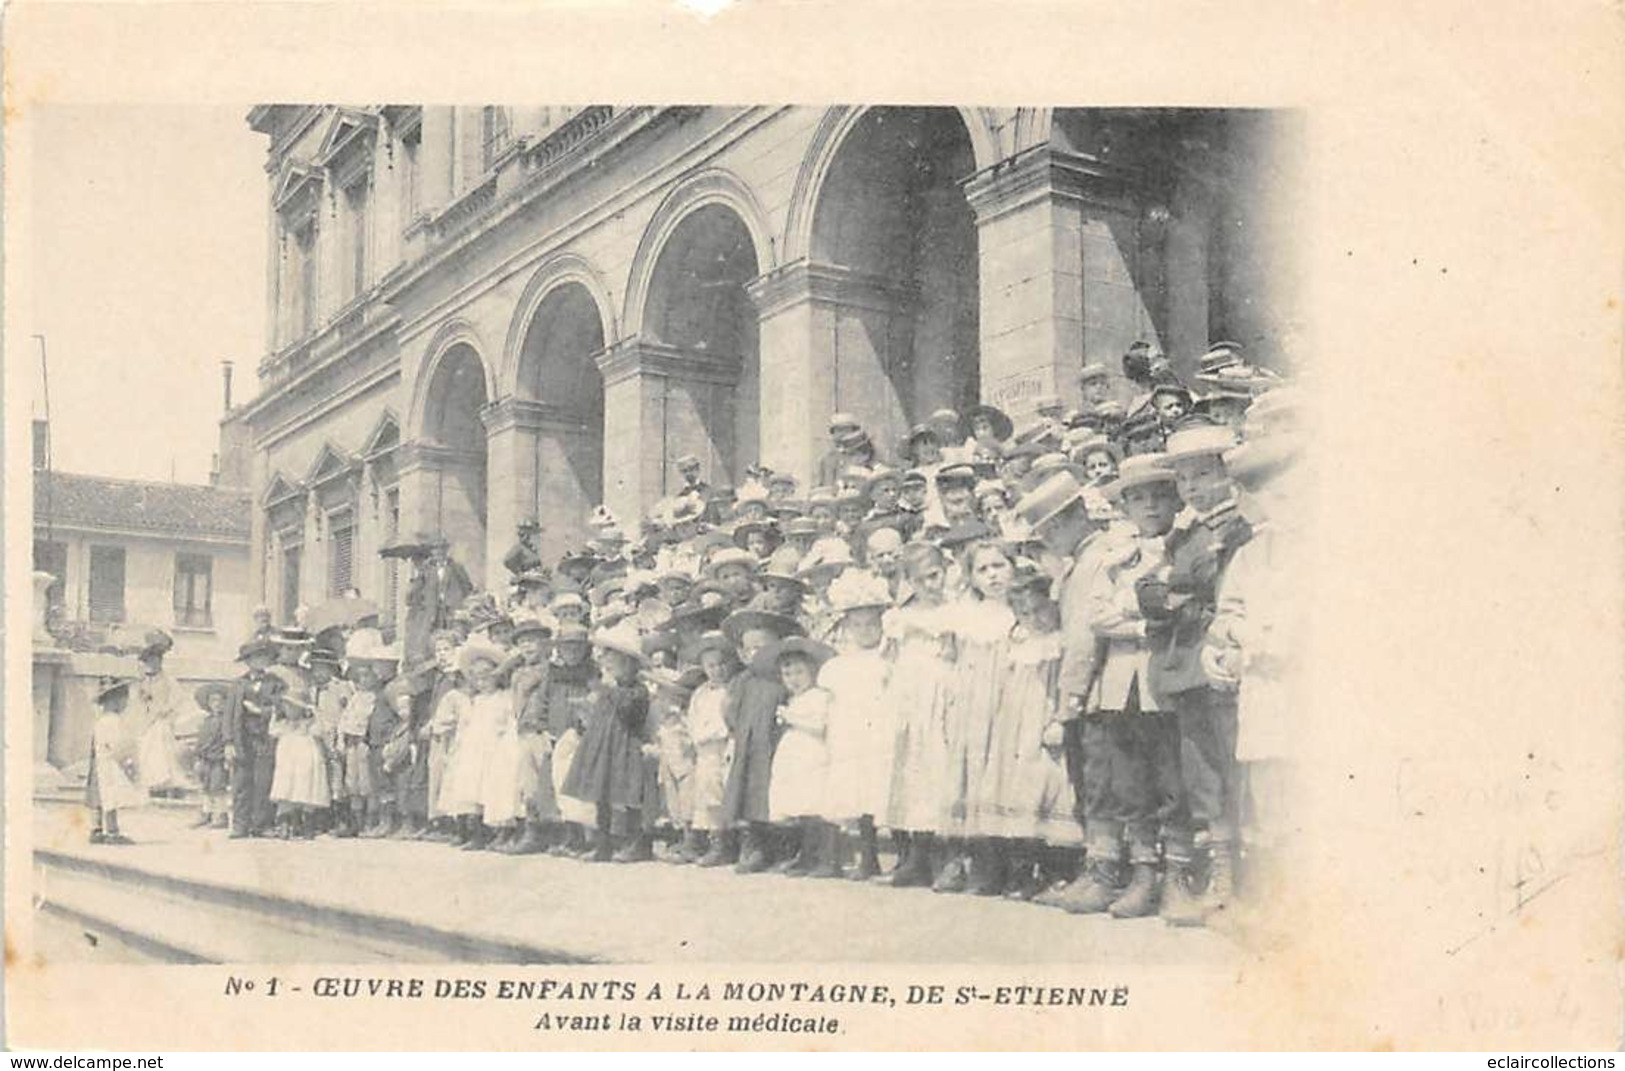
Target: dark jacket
(753, 702)
(1197, 555)
(565, 696)
(254, 701)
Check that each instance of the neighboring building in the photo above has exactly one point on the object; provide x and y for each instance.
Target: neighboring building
(129, 554)
(479, 314)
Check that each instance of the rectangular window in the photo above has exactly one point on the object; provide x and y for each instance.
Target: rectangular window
(194, 590)
(107, 584)
(392, 566)
(340, 552)
(52, 557)
(494, 132)
(357, 197)
(291, 557)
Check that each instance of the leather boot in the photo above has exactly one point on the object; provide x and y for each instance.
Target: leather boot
(915, 866)
(1093, 892)
(202, 822)
(479, 837)
(528, 842)
(1021, 876)
(1140, 897)
(1182, 895)
(723, 850)
(409, 828)
(986, 875)
(505, 839)
(220, 822)
(636, 849)
(805, 859)
(1198, 908)
(752, 853)
(831, 848)
(689, 850)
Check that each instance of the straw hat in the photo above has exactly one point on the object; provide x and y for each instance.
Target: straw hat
(110, 686)
(1198, 440)
(622, 639)
(258, 645)
(713, 640)
(1137, 471)
(730, 556)
(767, 659)
(1002, 425)
(857, 589)
(1093, 370)
(1048, 499)
(529, 623)
(741, 621)
(827, 553)
(476, 649)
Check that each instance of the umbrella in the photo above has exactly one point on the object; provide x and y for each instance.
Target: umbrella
(341, 611)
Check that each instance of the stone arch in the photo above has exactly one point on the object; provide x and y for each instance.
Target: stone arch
(708, 187)
(556, 271)
(826, 142)
(451, 335)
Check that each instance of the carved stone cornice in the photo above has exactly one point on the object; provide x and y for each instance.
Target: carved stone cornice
(435, 457)
(530, 415)
(646, 358)
(1045, 172)
(808, 280)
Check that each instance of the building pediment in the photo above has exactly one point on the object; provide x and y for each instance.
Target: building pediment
(279, 490)
(331, 463)
(386, 436)
(347, 142)
(296, 187)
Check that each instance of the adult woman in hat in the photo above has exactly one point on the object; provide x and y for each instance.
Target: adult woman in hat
(753, 701)
(154, 702)
(109, 787)
(608, 770)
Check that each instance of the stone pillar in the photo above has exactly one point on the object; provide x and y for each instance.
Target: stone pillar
(545, 464)
(443, 493)
(435, 159)
(1058, 235)
(313, 563)
(831, 339)
(661, 402)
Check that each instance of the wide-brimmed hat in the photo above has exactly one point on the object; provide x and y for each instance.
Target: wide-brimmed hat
(622, 639)
(1002, 424)
(672, 683)
(828, 553)
(702, 611)
(534, 578)
(257, 645)
(1047, 465)
(419, 545)
(802, 526)
(109, 686)
(843, 420)
(1137, 471)
(478, 648)
(1093, 370)
(852, 441)
(579, 559)
(859, 589)
(570, 632)
(1174, 387)
(1048, 499)
(736, 624)
(527, 623)
(292, 636)
(1257, 461)
(1096, 443)
(325, 655)
(201, 694)
(730, 556)
(1198, 440)
(767, 659)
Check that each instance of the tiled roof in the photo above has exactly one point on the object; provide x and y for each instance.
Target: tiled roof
(171, 508)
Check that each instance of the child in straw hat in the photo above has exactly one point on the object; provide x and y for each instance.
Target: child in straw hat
(708, 729)
(209, 755)
(299, 786)
(798, 797)
(110, 788)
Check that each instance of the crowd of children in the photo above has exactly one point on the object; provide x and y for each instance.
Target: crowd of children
(1053, 663)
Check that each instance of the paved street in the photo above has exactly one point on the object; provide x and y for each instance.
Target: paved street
(649, 912)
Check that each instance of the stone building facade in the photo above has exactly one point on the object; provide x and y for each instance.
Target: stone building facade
(484, 314)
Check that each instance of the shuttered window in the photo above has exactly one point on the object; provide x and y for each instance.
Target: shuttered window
(340, 552)
(107, 584)
(194, 590)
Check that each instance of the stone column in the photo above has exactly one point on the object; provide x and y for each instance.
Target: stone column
(435, 154)
(313, 563)
(831, 339)
(1058, 235)
(443, 493)
(661, 402)
(545, 464)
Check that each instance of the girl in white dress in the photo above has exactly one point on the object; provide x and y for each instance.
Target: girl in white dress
(110, 788)
(478, 748)
(797, 790)
(709, 732)
(299, 784)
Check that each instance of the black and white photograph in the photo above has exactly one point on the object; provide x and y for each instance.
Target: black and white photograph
(1033, 531)
(877, 515)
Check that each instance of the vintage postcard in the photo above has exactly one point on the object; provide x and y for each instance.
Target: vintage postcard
(813, 527)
